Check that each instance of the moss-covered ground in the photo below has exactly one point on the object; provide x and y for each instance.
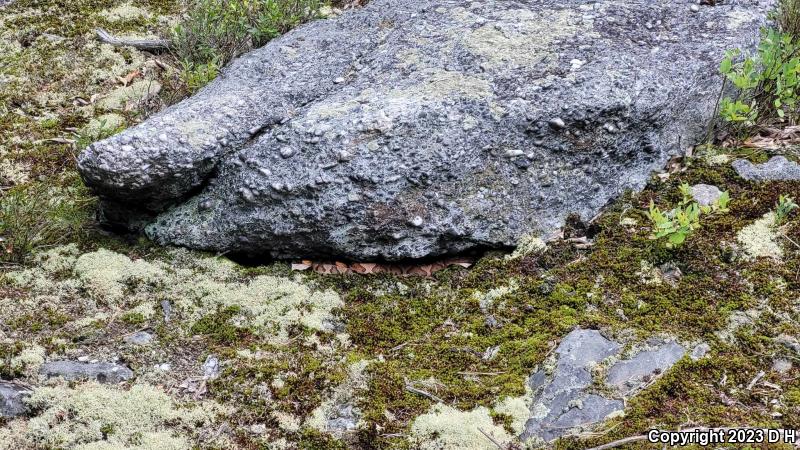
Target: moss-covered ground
(296, 350)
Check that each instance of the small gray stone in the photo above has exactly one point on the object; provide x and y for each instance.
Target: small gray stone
(705, 194)
(211, 368)
(73, 370)
(139, 338)
(345, 418)
(12, 399)
(166, 308)
(557, 123)
(694, 8)
(287, 152)
(778, 168)
(632, 374)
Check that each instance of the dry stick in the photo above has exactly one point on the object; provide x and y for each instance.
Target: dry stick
(494, 441)
(151, 45)
(620, 442)
(414, 390)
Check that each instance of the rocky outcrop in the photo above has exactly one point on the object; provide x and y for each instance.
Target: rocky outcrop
(415, 128)
(566, 397)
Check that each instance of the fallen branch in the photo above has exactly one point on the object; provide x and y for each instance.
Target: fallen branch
(150, 45)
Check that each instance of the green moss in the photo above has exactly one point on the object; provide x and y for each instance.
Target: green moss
(219, 327)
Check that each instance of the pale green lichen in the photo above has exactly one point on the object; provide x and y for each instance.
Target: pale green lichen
(125, 11)
(196, 286)
(343, 394)
(446, 428)
(528, 245)
(121, 97)
(523, 39)
(29, 360)
(94, 416)
(760, 239)
(649, 274)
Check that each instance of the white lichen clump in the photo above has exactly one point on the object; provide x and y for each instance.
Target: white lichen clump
(760, 239)
(446, 428)
(528, 245)
(94, 416)
(196, 286)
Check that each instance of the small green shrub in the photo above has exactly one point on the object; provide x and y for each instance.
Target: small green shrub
(767, 80)
(677, 224)
(784, 207)
(216, 31)
(196, 75)
(35, 216)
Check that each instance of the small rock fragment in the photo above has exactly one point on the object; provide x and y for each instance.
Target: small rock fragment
(101, 372)
(12, 396)
(139, 338)
(778, 168)
(705, 194)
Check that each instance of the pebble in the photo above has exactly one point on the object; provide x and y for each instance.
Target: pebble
(287, 152)
(694, 8)
(416, 221)
(557, 123)
(139, 338)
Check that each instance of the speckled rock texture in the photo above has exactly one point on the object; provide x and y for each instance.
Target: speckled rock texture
(415, 128)
(566, 398)
(778, 168)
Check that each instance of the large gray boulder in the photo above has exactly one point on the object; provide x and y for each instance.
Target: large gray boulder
(414, 128)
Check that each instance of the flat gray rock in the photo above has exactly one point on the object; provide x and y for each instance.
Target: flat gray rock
(12, 399)
(778, 168)
(415, 128)
(555, 408)
(73, 370)
(564, 399)
(139, 338)
(705, 194)
(631, 374)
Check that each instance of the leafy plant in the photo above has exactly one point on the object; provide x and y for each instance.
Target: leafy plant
(677, 224)
(767, 81)
(784, 207)
(196, 75)
(216, 31)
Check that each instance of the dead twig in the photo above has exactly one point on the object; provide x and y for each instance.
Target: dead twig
(413, 390)
(620, 442)
(150, 45)
(494, 441)
(756, 379)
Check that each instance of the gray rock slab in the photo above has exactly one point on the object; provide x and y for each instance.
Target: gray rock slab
(631, 374)
(12, 399)
(705, 194)
(564, 398)
(778, 168)
(415, 128)
(139, 338)
(73, 370)
(553, 409)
